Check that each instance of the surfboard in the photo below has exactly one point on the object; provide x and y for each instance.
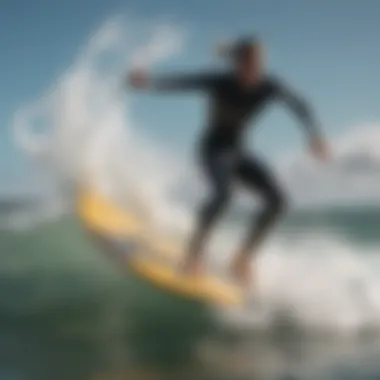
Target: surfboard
(101, 215)
(206, 288)
(153, 260)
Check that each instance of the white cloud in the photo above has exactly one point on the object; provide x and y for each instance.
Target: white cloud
(352, 177)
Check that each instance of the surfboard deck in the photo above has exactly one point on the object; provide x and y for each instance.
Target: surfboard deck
(157, 262)
(206, 288)
(102, 216)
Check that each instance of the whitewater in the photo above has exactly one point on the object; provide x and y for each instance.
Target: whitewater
(81, 132)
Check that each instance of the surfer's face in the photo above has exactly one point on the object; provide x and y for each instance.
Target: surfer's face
(250, 64)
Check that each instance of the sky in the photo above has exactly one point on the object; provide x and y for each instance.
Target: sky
(327, 50)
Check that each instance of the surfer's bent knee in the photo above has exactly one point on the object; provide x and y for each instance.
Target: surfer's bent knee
(218, 200)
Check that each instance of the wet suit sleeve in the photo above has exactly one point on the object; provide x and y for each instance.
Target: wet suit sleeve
(298, 106)
(184, 82)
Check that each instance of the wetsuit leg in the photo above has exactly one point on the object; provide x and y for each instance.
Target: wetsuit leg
(259, 179)
(219, 166)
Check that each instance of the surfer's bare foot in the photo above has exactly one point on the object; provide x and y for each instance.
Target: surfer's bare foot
(192, 267)
(241, 271)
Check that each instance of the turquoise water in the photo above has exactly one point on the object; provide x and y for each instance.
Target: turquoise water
(68, 312)
(62, 296)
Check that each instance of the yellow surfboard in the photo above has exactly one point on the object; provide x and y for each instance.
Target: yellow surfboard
(158, 261)
(101, 216)
(203, 288)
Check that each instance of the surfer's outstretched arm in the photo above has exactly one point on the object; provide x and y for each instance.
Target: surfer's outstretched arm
(142, 80)
(302, 110)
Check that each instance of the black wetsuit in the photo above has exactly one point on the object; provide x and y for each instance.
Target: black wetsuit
(223, 155)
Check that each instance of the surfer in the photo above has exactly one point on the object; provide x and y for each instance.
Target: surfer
(236, 96)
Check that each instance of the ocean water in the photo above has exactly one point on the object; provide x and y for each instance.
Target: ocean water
(69, 312)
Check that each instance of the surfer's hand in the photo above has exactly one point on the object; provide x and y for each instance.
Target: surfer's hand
(138, 79)
(320, 149)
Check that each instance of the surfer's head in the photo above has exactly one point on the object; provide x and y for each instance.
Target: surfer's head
(247, 57)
